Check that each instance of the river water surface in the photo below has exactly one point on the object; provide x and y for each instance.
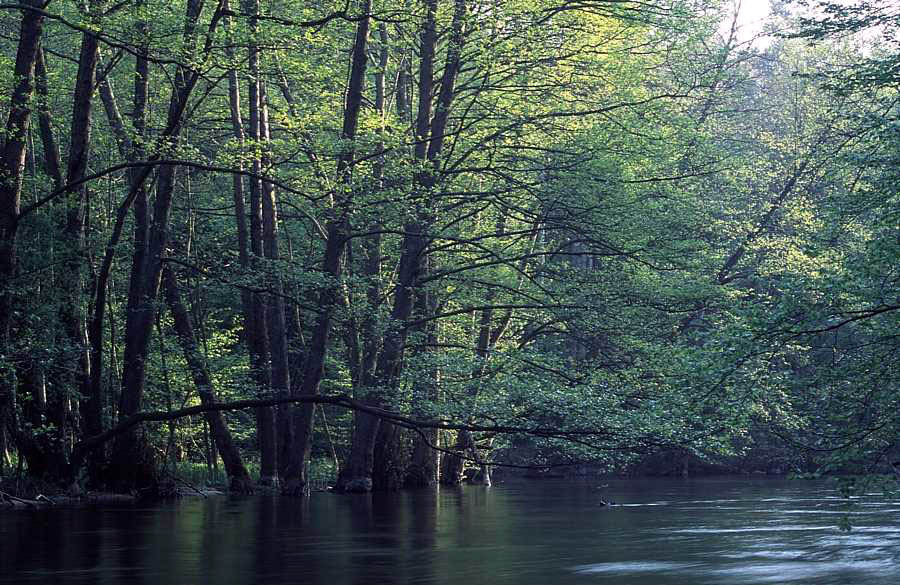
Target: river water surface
(692, 532)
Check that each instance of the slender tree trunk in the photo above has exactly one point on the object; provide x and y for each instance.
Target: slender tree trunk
(239, 479)
(488, 336)
(59, 413)
(251, 303)
(281, 377)
(131, 460)
(296, 353)
(259, 337)
(72, 314)
(130, 150)
(430, 132)
(338, 230)
(295, 337)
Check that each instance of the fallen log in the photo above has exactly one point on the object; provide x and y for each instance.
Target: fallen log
(5, 496)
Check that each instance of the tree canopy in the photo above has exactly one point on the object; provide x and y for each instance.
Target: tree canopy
(416, 236)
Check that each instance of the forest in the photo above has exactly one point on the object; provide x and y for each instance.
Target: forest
(384, 244)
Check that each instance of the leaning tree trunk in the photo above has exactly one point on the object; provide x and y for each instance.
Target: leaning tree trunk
(239, 479)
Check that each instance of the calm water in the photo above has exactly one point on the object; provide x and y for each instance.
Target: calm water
(686, 532)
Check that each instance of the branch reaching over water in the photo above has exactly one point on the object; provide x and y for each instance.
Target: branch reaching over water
(335, 400)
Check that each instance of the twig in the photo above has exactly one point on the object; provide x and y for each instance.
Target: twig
(337, 465)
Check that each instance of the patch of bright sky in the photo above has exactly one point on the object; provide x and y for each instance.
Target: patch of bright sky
(753, 15)
(751, 20)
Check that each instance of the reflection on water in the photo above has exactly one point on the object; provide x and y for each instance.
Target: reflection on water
(633, 567)
(700, 532)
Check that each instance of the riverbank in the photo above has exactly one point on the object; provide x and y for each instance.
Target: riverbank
(10, 501)
(26, 494)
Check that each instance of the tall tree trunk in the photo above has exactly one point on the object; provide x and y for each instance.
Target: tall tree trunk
(258, 337)
(296, 343)
(356, 475)
(12, 167)
(278, 348)
(130, 150)
(423, 470)
(295, 337)
(430, 132)
(239, 479)
(54, 410)
(389, 456)
(133, 467)
(296, 474)
(72, 312)
(254, 329)
(338, 230)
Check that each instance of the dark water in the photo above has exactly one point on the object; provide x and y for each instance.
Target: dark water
(686, 532)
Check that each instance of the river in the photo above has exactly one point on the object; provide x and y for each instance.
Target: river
(690, 532)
